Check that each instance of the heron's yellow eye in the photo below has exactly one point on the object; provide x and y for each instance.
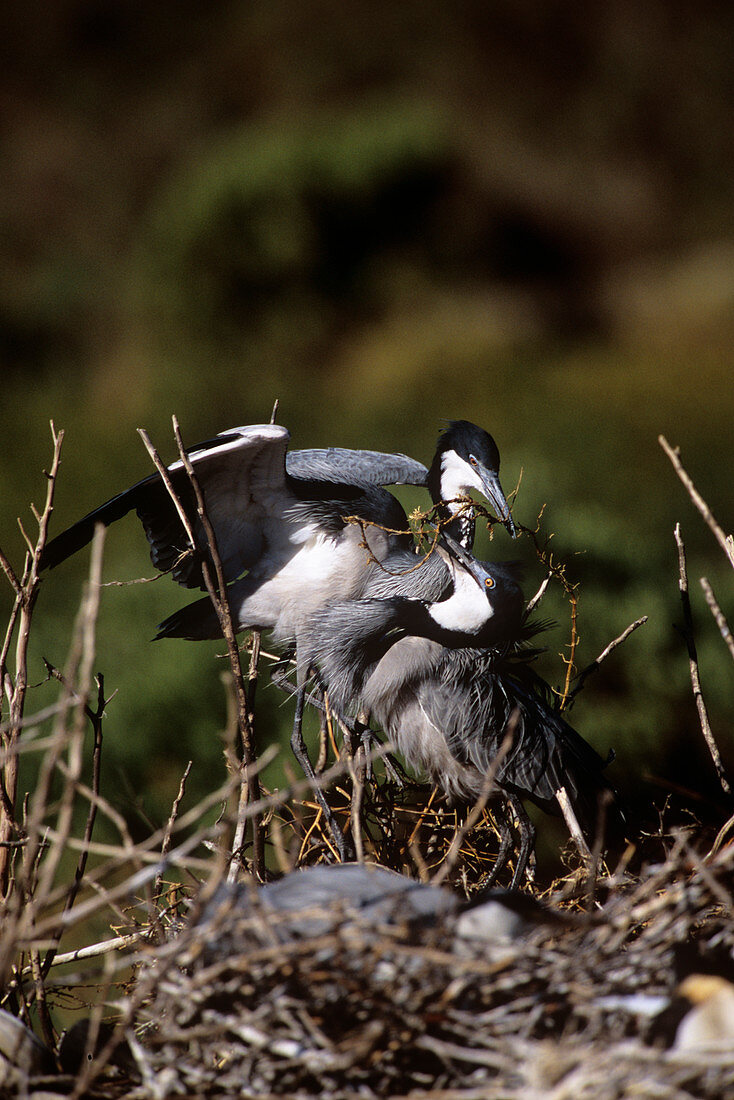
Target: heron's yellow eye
(473, 460)
(489, 582)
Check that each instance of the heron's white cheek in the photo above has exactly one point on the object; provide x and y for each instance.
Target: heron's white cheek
(466, 611)
(457, 477)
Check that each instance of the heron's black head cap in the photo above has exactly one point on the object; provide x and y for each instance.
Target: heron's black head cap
(468, 439)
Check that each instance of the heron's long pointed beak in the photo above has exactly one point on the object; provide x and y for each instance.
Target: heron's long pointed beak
(493, 492)
(464, 557)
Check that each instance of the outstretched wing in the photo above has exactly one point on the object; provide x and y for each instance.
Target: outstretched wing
(348, 467)
(242, 476)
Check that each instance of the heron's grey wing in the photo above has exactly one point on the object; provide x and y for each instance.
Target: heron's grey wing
(462, 714)
(403, 573)
(549, 754)
(472, 701)
(479, 693)
(354, 467)
(242, 476)
(466, 701)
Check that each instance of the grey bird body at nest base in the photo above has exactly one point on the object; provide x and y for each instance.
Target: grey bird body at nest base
(315, 901)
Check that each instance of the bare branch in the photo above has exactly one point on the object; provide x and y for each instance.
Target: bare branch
(726, 542)
(26, 596)
(247, 792)
(583, 676)
(10, 574)
(165, 846)
(693, 663)
(221, 604)
(573, 826)
(533, 603)
(718, 615)
(96, 720)
(163, 471)
(721, 836)
(217, 588)
(80, 671)
(94, 950)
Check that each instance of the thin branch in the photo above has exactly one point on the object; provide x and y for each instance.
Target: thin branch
(558, 570)
(96, 720)
(721, 836)
(726, 542)
(217, 588)
(246, 793)
(80, 671)
(165, 477)
(718, 615)
(10, 574)
(44, 1016)
(583, 676)
(693, 662)
(92, 951)
(533, 603)
(221, 605)
(6, 683)
(573, 826)
(26, 595)
(165, 846)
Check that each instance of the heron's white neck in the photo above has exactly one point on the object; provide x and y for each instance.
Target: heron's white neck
(467, 610)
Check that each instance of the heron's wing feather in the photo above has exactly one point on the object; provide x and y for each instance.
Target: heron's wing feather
(242, 476)
(80, 533)
(353, 467)
(473, 704)
(404, 573)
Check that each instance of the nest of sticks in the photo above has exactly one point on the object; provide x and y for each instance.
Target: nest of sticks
(584, 1005)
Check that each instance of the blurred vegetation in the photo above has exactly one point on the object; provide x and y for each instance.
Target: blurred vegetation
(383, 215)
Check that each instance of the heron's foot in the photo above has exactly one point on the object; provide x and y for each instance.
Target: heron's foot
(344, 846)
(526, 851)
(503, 852)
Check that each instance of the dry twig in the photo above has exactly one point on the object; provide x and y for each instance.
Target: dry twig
(693, 663)
(15, 687)
(583, 676)
(217, 588)
(718, 615)
(726, 542)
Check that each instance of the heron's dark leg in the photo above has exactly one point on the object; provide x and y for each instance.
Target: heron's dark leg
(361, 729)
(359, 739)
(353, 730)
(279, 677)
(505, 830)
(527, 839)
(345, 848)
(370, 739)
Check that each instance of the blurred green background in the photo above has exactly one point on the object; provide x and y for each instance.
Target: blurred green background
(518, 213)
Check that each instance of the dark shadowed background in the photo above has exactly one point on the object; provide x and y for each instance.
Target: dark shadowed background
(383, 215)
